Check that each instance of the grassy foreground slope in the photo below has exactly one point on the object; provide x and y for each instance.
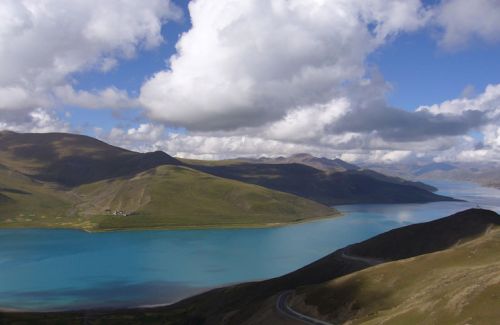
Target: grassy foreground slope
(163, 197)
(458, 286)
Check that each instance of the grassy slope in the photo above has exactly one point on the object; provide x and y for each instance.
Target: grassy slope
(163, 197)
(174, 196)
(457, 286)
(30, 203)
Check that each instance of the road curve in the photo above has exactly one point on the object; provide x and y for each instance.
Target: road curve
(283, 308)
(368, 260)
(282, 302)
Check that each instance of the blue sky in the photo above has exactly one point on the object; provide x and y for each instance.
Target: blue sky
(423, 74)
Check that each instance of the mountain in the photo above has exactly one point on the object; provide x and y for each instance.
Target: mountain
(484, 173)
(335, 166)
(427, 168)
(71, 159)
(177, 196)
(72, 181)
(324, 164)
(440, 272)
(329, 188)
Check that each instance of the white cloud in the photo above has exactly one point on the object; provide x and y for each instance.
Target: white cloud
(110, 97)
(17, 97)
(244, 63)
(468, 148)
(43, 42)
(465, 20)
(308, 123)
(38, 120)
(487, 102)
(253, 77)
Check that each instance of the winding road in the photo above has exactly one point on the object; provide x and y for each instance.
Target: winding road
(282, 301)
(283, 308)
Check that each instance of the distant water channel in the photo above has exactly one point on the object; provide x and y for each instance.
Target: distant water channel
(66, 269)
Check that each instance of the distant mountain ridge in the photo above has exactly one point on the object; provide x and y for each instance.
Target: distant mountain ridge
(325, 164)
(484, 173)
(329, 185)
(334, 166)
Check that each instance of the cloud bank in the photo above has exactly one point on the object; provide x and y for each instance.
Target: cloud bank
(254, 77)
(42, 43)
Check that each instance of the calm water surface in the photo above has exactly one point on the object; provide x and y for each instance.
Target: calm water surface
(62, 269)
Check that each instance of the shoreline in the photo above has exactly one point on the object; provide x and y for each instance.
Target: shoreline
(186, 227)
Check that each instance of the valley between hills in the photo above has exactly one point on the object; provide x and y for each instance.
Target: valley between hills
(59, 180)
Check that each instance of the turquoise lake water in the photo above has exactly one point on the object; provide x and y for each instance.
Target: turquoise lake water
(66, 269)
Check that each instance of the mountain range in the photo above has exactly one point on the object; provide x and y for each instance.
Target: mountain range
(75, 181)
(484, 173)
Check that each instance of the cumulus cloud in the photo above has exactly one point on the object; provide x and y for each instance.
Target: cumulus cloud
(204, 146)
(110, 97)
(244, 63)
(38, 121)
(439, 132)
(249, 78)
(487, 102)
(465, 20)
(43, 42)
(394, 124)
(487, 105)
(294, 72)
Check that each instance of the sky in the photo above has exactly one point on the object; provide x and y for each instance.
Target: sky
(377, 81)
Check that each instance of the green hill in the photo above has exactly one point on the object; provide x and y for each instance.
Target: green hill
(176, 196)
(163, 197)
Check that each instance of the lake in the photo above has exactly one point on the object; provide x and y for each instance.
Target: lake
(44, 269)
